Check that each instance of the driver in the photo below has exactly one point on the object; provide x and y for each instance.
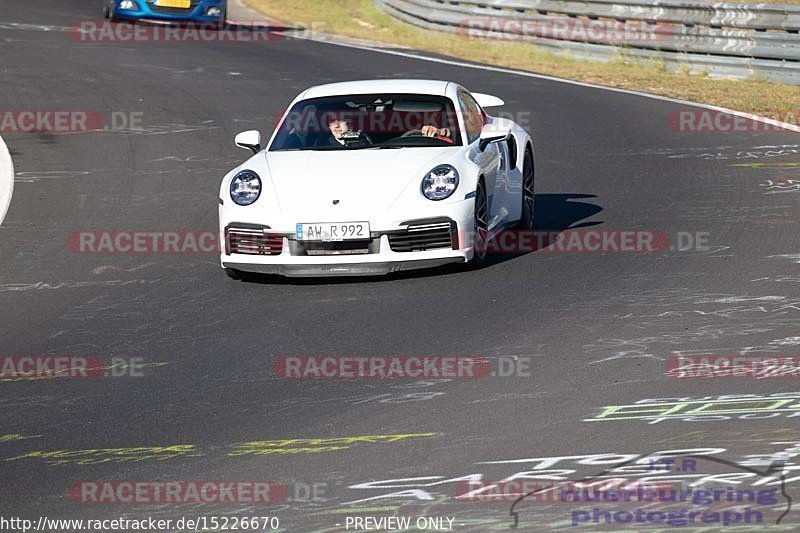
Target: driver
(340, 128)
(342, 133)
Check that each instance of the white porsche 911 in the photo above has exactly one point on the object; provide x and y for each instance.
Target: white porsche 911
(372, 177)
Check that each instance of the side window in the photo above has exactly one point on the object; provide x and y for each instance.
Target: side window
(473, 116)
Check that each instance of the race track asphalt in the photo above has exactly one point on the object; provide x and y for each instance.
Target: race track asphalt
(597, 329)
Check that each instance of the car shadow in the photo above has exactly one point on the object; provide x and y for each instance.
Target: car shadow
(553, 214)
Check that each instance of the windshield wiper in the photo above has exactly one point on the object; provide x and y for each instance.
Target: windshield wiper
(345, 149)
(371, 147)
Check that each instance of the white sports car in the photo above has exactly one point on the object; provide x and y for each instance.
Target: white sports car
(372, 177)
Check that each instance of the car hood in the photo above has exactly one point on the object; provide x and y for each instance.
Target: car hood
(308, 182)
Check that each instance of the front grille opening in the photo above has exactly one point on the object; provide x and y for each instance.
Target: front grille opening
(337, 248)
(423, 236)
(252, 241)
(174, 10)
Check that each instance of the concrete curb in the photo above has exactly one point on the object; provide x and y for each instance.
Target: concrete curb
(6, 179)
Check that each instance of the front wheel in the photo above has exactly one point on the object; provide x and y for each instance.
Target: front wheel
(481, 226)
(222, 23)
(110, 11)
(526, 220)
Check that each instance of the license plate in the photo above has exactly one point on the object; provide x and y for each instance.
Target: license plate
(333, 231)
(182, 4)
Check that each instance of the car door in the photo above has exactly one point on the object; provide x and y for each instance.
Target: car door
(489, 160)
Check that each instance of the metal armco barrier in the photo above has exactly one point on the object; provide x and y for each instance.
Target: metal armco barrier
(721, 39)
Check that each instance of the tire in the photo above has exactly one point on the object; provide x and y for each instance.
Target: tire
(106, 11)
(481, 225)
(112, 11)
(223, 20)
(526, 221)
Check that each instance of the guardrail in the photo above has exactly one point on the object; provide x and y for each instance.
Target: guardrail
(721, 39)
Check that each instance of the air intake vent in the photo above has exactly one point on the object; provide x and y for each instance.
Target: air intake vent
(337, 248)
(252, 241)
(422, 236)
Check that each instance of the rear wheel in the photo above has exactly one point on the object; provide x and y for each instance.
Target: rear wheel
(526, 220)
(481, 225)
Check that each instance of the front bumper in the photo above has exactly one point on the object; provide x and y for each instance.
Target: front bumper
(329, 269)
(198, 12)
(419, 243)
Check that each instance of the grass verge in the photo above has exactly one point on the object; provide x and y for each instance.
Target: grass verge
(363, 20)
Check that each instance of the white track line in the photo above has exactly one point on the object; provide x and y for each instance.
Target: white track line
(6, 179)
(749, 116)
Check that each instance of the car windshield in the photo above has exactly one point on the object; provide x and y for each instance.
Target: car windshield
(371, 121)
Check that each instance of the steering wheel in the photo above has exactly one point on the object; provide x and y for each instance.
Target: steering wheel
(412, 133)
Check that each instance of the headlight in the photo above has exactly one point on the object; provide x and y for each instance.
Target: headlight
(440, 182)
(245, 187)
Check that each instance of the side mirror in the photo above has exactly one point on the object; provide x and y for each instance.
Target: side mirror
(487, 100)
(492, 133)
(250, 140)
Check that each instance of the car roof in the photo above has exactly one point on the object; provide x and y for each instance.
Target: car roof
(431, 87)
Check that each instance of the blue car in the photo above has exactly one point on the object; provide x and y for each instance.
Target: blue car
(201, 11)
